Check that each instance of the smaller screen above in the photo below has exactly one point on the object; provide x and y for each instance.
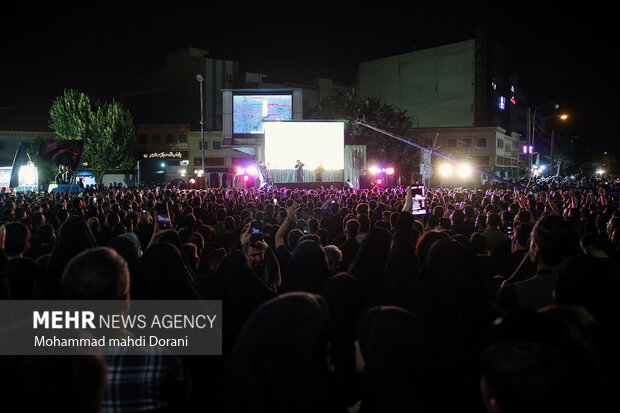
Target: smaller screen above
(249, 111)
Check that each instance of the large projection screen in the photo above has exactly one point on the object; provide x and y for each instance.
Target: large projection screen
(310, 142)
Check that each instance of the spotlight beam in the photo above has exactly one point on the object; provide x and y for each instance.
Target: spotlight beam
(407, 141)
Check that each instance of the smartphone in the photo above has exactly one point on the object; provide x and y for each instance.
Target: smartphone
(162, 215)
(418, 200)
(256, 231)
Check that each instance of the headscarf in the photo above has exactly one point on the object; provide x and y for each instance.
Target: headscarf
(395, 347)
(74, 236)
(307, 269)
(279, 362)
(162, 274)
(369, 263)
(345, 307)
(241, 291)
(457, 312)
(128, 246)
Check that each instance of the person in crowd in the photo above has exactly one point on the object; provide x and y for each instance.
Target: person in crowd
(280, 361)
(334, 258)
(22, 271)
(395, 358)
(552, 240)
(153, 379)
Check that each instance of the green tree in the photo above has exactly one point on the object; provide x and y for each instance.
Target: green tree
(106, 127)
(351, 108)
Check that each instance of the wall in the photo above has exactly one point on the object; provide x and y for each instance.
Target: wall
(435, 86)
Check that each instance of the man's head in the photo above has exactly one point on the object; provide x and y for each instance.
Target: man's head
(334, 258)
(255, 254)
(96, 274)
(352, 228)
(552, 240)
(16, 239)
(493, 220)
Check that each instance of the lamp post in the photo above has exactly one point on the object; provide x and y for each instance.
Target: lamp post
(201, 79)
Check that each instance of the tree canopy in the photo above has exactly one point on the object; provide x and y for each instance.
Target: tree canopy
(106, 127)
(351, 108)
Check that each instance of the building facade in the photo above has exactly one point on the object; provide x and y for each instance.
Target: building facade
(489, 149)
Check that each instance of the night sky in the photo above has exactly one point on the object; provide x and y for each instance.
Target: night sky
(559, 54)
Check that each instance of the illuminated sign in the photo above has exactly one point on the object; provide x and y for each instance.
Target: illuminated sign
(165, 155)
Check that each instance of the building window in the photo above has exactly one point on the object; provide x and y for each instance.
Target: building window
(1, 145)
(500, 143)
(467, 142)
(206, 145)
(156, 138)
(481, 142)
(217, 145)
(169, 138)
(451, 143)
(142, 138)
(428, 142)
(182, 138)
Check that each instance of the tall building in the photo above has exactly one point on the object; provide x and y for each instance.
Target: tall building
(461, 85)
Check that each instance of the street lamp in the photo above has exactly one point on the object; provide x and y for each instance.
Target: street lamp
(201, 79)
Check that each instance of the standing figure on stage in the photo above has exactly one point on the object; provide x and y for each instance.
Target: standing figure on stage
(320, 171)
(262, 169)
(299, 171)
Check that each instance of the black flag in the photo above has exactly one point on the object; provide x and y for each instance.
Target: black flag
(63, 152)
(21, 158)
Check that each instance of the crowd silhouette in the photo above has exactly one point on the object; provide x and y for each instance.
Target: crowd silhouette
(496, 300)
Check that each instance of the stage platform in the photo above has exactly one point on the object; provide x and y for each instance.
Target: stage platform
(308, 185)
(72, 188)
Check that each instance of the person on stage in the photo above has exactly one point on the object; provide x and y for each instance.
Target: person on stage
(320, 171)
(262, 169)
(299, 171)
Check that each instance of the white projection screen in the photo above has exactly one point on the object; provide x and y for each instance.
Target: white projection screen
(310, 142)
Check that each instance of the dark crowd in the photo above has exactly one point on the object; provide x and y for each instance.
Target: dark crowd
(495, 300)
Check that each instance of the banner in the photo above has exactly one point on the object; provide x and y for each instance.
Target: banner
(21, 158)
(67, 152)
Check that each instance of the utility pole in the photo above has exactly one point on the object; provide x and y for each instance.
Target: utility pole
(551, 166)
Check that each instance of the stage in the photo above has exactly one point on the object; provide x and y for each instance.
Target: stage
(309, 185)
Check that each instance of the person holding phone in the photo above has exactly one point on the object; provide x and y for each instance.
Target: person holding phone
(261, 258)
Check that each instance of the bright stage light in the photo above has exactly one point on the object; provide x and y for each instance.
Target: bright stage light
(245, 178)
(313, 143)
(379, 181)
(463, 170)
(373, 170)
(27, 175)
(240, 170)
(445, 169)
(389, 171)
(192, 181)
(251, 170)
